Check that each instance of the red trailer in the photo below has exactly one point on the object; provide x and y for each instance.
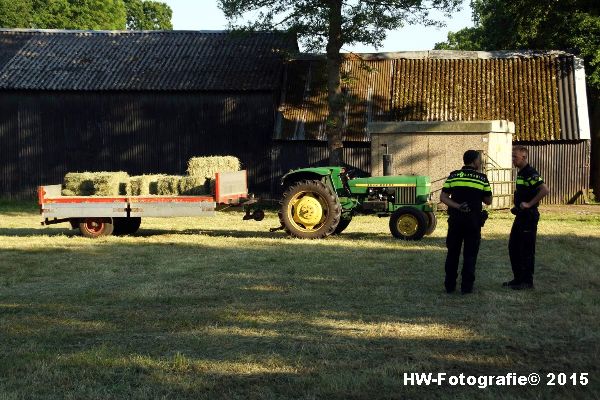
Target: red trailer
(97, 216)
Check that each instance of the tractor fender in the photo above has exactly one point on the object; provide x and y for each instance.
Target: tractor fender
(305, 174)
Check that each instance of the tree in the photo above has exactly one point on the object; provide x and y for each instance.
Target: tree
(63, 14)
(572, 25)
(85, 14)
(330, 25)
(148, 15)
(14, 13)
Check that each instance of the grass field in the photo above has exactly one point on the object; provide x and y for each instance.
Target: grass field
(219, 308)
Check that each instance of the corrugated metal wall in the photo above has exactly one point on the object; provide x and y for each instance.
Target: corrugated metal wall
(564, 166)
(535, 92)
(43, 135)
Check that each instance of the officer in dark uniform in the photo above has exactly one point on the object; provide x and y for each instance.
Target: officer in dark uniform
(521, 245)
(463, 193)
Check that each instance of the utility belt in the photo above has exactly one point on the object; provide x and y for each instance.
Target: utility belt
(482, 215)
(527, 211)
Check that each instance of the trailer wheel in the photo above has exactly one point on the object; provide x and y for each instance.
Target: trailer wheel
(344, 222)
(126, 226)
(408, 223)
(310, 210)
(431, 222)
(96, 227)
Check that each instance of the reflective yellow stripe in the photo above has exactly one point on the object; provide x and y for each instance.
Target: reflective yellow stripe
(479, 186)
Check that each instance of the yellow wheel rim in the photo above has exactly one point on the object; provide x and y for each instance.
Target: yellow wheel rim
(408, 225)
(307, 211)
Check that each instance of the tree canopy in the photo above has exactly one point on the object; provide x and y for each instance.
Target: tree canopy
(85, 14)
(148, 15)
(331, 25)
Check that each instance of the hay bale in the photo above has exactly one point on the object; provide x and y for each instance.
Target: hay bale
(207, 167)
(110, 183)
(168, 185)
(78, 184)
(143, 185)
(67, 192)
(95, 184)
(194, 186)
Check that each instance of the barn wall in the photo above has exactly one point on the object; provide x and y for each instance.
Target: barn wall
(564, 166)
(46, 134)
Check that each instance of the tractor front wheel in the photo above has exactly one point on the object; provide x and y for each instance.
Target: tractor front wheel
(96, 227)
(310, 210)
(408, 223)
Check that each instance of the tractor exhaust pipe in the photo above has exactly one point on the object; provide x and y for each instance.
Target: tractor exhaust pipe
(388, 162)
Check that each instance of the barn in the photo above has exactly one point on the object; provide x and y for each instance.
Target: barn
(543, 93)
(141, 102)
(144, 102)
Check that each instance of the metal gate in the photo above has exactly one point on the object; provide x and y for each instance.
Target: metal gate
(502, 181)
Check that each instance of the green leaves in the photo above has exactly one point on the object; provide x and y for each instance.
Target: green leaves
(85, 14)
(362, 21)
(148, 15)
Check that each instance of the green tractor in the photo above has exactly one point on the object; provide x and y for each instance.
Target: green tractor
(318, 202)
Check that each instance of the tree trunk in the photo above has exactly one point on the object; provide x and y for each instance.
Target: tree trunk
(335, 98)
(594, 110)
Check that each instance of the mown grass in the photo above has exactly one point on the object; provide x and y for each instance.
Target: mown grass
(220, 308)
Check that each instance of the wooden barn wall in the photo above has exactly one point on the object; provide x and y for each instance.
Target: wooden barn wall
(46, 134)
(564, 166)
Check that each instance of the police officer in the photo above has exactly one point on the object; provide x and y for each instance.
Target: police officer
(521, 245)
(463, 193)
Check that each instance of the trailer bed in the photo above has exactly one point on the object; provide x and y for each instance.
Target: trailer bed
(230, 189)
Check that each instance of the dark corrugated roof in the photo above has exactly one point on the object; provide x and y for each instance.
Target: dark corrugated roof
(147, 60)
(533, 89)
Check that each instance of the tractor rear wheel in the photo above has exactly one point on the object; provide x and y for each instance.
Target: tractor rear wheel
(310, 210)
(126, 226)
(408, 223)
(96, 227)
(431, 222)
(344, 222)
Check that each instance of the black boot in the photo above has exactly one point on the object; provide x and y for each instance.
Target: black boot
(522, 286)
(510, 284)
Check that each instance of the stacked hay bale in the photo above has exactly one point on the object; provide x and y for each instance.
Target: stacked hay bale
(207, 167)
(168, 185)
(110, 183)
(95, 184)
(78, 184)
(199, 181)
(201, 173)
(194, 186)
(143, 185)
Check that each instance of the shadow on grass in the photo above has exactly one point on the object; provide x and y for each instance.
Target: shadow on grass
(241, 234)
(293, 319)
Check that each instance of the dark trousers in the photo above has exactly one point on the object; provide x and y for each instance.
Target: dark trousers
(462, 228)
(521, 245)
